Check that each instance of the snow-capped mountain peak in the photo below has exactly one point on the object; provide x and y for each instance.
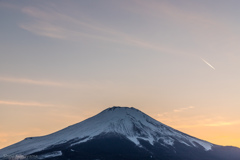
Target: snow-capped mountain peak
(123, 121)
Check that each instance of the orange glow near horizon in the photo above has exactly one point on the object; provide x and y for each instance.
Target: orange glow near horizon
(220, 133)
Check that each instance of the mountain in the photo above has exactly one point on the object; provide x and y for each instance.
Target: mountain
(118, 133)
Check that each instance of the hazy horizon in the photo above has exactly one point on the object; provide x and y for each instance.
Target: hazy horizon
(64, 61)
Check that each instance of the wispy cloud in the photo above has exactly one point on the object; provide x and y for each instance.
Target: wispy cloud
(183, 109)
(207, 63)
(202, 123)
(198, 24)
(31, 81)
(25, 103)
(50, 23)
(175, 111)
(54, 22)
(176, 120)
(45, 29)
(65, 85)
(162, 9)
(58, 24)
(222, 123)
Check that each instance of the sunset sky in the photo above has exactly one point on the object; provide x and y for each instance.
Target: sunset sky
(62, 61)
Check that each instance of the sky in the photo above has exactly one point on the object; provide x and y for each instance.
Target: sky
(63, 61)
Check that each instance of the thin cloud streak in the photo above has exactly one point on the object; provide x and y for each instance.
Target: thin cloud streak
(25, 103)
(53, 26)
(166, 114)
(68, 85)
(50, 25)
(215, 124)
(31, 81)
(207, 63)
(183, 109)
(223, 123)
(175, 120)
(44, 29)
(163, 9)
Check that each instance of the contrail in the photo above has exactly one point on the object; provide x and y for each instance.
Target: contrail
(26, 103)
(207, 63)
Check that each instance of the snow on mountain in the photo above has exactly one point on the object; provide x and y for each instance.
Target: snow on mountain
(129, 122)
(50, 155)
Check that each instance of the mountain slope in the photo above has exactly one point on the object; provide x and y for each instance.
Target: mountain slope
(118, 133)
